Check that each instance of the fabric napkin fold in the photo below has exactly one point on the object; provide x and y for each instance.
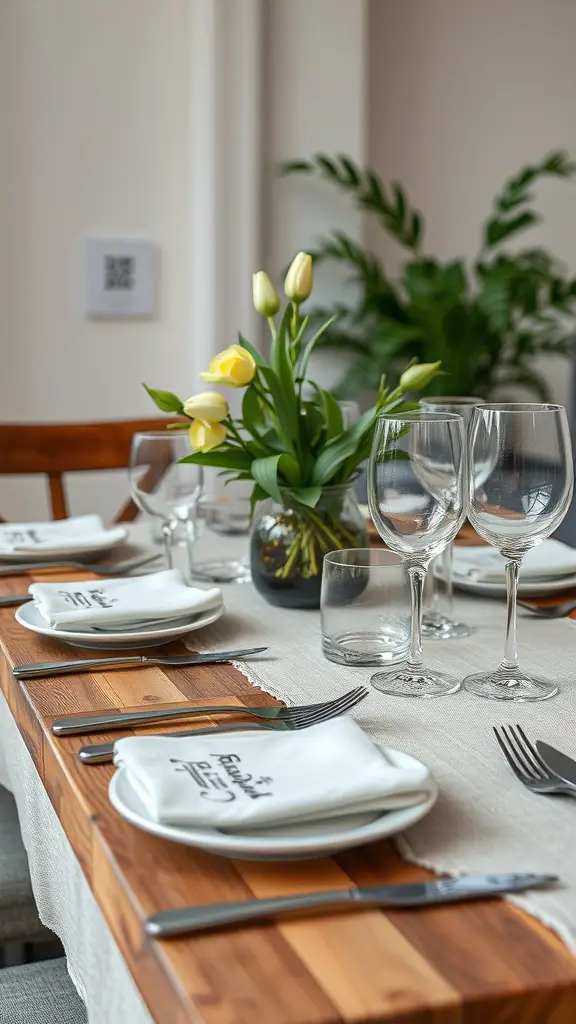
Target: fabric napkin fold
(246, 780)
(63, 534)
(119, 602)
(549, 560)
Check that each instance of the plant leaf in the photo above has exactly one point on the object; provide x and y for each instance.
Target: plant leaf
(498, 228)
(265, 473)
(167, 401)
(309, 347)
(284, 410)
(336, 453)
(233, 458)
(256, 355)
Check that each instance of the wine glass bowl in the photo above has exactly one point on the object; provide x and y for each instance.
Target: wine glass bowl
(161, 484)
(417, 498)
(521, 485)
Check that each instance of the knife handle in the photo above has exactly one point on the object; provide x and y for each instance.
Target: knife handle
(12, 599)
(216, 915)
(60, 668)
(103, 753)
(122, 719)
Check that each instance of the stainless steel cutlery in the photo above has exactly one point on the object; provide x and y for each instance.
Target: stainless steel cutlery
(100, 568)
(58, 668)
(412, 894)
(103, 753)
(527, 764)
(11, 599)
(298, 717)
(559, 764)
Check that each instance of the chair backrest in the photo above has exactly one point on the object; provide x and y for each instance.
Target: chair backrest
(56, 448)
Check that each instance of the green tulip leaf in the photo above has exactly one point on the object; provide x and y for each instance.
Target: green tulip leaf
(165, 400)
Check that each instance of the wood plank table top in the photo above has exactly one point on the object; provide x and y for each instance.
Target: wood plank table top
(477, 963)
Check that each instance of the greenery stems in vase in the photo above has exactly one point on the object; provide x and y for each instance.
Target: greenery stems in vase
(289, 440)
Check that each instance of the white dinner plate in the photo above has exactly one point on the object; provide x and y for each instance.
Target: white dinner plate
(110, 539)
(287, 842)
(528, 588)
(29, 617)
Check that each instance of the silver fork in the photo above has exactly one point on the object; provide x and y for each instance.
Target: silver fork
(100, 568)
(285, 719)
(526, 763)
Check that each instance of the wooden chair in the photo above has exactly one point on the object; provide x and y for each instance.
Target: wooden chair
(57, 448)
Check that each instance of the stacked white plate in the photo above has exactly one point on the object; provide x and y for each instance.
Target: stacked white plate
(287, 842)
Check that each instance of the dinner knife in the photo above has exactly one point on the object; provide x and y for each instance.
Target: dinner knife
(412, 894)
(11, 599)
(103, 753)
(59, 668)
(558, 763)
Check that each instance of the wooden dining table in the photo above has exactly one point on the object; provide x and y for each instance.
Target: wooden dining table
(477, 963)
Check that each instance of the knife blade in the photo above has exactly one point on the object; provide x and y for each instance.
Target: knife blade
(58, 668)
(558, 763)
(11, 599)
(413, 894)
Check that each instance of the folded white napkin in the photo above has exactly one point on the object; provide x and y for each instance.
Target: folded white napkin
(237, 781)
(119, 602)
(549, 560)
(61, 535)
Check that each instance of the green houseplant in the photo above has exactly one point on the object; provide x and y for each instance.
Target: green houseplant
(486, 319)
(289, 441)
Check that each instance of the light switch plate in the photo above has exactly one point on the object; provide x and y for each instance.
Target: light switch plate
(120, 277)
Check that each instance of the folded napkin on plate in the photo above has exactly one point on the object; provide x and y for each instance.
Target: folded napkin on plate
(64, 534)
(549, 560)
(247, 780)
(119, 602)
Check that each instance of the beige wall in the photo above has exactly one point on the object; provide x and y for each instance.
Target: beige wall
(462, 94)
(94, 98)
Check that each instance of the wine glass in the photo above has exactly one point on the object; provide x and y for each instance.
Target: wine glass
(162, 485)
(416, 493)
(521, 483)
(438, 621)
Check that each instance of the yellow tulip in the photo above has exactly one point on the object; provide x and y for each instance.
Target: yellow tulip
(205, 436)
(419, 376)
(265, 297)
(234, 367)
(208, 406)
(300, 278)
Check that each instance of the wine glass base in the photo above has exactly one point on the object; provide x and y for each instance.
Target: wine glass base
(509, 684)
(442, 628)
(408, 682)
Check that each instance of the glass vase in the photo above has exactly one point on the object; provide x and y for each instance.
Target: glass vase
(289, 541)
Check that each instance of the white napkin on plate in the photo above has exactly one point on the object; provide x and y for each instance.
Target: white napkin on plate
(116, 603)
(61, 535)
(245, 780)
(549, 560)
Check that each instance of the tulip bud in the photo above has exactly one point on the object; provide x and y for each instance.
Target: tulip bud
(208, 406)
(265, 297)
(205, 436)
(299, 279)
(234, 367)
(419, 376)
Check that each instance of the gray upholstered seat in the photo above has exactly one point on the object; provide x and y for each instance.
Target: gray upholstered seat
(19, 921)
(40, 994)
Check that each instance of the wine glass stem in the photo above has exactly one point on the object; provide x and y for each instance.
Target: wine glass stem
(416, 575)
(167, 535)
(510, 651)
(191, 538)
(446, 591)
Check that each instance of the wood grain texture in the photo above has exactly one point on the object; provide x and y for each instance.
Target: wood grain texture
(482, 963)
(53, 449)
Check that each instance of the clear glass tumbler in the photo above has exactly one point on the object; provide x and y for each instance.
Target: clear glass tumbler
(365, 607)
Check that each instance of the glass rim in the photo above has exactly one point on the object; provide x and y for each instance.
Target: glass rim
(421, 416)
(394, 559)
(532, 407)
(452, 400)
(158, 433)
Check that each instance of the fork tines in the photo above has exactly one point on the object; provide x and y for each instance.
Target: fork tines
(521, 755)
(313, 714)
